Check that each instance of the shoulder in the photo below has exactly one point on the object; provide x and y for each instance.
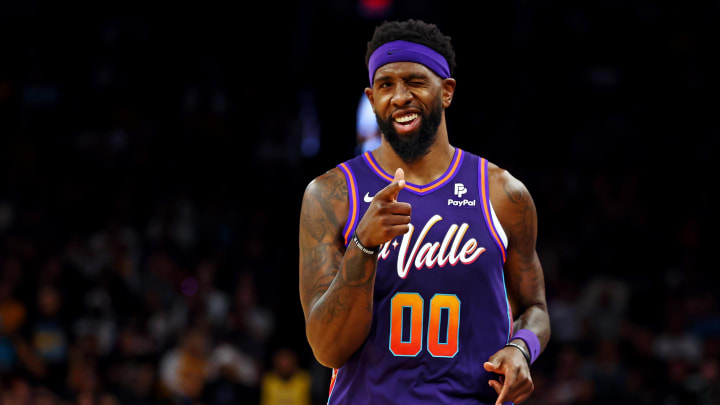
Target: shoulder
(505, 186)
(325, 204)
(329, 186)
(498, 178)
(511, 201)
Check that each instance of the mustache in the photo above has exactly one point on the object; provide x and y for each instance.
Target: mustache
(412, 148)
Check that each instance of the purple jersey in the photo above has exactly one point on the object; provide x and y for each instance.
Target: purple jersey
(440, 307)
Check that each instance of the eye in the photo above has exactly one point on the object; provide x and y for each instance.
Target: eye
(384, 85)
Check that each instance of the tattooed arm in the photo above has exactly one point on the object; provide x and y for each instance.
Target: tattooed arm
(337, 284)
(525, 283)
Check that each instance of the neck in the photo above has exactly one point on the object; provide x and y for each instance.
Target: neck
(424, 170)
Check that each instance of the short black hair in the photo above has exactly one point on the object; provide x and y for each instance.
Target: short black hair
(416, 31)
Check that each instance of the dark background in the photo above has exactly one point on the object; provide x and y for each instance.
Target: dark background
(152, 165)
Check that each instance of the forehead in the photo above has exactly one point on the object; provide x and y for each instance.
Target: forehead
(403, 69)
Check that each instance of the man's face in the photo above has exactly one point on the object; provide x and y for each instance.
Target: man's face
(408, 101)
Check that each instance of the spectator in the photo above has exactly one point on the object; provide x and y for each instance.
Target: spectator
(285, 384)
(675, 342)
(12, 316)
(235, 377)
(603, 304)
(185, 369)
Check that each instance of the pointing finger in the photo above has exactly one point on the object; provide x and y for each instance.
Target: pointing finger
(503, 394)
(507, 384)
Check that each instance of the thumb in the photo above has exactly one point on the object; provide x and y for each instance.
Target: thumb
(400, 176)
(492, 366)
(390, 192)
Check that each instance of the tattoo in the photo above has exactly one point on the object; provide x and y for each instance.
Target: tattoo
(360, 269)
(317, 259)
(319, 216)
(526, 284)
(323, 254)
(357, 274)
(516, 194)
(523, 221)
(332, 306)
(315, 227)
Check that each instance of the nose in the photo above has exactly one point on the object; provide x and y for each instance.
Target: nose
(401, 96)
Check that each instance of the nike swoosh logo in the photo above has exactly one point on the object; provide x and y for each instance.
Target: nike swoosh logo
(367, 198)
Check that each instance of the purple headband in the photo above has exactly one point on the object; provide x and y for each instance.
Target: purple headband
(404, 51)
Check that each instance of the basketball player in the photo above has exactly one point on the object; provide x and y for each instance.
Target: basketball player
(419, 277)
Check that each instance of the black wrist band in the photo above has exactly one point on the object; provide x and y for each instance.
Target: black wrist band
(524, 353)
(362, 247)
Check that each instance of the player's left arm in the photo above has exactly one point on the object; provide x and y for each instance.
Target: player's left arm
(525, 284)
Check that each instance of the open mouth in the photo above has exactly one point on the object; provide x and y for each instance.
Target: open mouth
(407, 122)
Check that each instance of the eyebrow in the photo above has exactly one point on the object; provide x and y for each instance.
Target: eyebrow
(413, 76)
(382, 79)
(410, 76)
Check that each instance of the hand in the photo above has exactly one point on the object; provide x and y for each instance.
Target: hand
(515, 384)
(386, 218)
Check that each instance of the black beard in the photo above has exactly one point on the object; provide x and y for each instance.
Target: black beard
(412, 148)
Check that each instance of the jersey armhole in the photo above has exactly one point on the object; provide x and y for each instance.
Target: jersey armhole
(498, 226)
(333, 378)
(496, 231)
(493, 224)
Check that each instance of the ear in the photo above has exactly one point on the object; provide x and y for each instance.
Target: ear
(369, 95)
(448, 90)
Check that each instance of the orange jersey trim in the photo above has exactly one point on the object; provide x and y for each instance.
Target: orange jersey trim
(332, 382)
(418, 189)
(353, 198)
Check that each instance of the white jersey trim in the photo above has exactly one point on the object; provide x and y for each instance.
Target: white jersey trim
(498, 226)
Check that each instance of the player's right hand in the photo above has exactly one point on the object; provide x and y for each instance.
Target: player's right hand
(386, 217)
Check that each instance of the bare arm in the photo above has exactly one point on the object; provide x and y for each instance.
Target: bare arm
(336, 284)
(524, 275)
(525, 284)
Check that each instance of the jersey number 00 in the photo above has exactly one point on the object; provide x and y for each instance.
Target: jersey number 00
(444, 311)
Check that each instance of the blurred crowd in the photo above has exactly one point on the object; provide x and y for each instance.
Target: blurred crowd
(117, 319)
(149, 196)
(136, 255)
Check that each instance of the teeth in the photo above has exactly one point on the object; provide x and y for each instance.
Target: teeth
(406, 118)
